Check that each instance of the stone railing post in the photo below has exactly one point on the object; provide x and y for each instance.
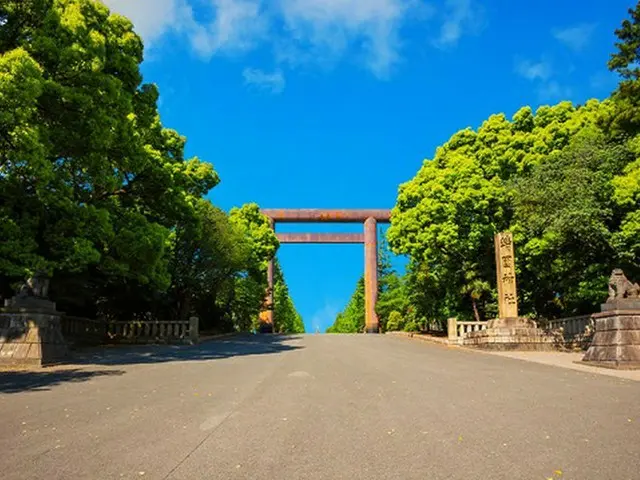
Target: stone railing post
(452, 329)
(193, 329)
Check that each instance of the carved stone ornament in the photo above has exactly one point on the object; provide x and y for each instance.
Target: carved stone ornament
(36, 286)
(620, 287)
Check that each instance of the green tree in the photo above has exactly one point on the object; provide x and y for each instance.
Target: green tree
(625, 62)
(395, 321)
(351, 320)
(392, 293)
(446, 217)
(286, 317)
(567, 225)
(91, 184)
(392, 296)
(207, 252)
(94, 190)
(249, 293)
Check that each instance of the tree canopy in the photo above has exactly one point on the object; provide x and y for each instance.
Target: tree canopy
(446, 217)
(96, 192)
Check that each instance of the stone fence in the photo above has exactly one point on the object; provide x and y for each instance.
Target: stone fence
(84, 331)
(576, 332)
(456, 330)
(434, 327)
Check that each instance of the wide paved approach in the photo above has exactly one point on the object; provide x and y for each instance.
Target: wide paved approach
(316, 407)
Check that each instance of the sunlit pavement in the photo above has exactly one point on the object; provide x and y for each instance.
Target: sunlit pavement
(316, 407)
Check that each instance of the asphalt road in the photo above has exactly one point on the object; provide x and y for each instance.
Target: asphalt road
(316, 407)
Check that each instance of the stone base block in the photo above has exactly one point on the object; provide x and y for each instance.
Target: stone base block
(31, 338)
(616, 341)
(511, 334)
(621, 304)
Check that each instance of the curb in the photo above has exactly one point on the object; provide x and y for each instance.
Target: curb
(424, 338)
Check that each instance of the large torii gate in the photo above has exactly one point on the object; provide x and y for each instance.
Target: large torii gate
(370, 218)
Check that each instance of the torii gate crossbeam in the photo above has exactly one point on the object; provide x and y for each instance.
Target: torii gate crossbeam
(370, 219)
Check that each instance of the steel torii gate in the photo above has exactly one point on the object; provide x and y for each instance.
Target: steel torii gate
(370, 218)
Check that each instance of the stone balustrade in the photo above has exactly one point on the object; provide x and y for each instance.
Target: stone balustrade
(576, 332)
(83, 331)
(571, 326)
(94, 332)
(456, 330)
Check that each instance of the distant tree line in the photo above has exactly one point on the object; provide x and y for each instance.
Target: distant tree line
(95, 192)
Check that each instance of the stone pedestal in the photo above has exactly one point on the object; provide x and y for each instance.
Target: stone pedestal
(515, 333)
(30, 332)
(616, 342)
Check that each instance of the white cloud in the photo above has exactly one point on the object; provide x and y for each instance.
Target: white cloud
(153, 18)
(271, 82)
(329, 28)
(461, 17)
(299, 31)
(577, 37)
(238, 25)
(534, 70)
(553, 91)
(541, 73)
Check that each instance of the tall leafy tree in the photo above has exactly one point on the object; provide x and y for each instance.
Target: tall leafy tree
(626, 62)
(207, 251)
(249, 292)
(567, 223)
(351, 319)
(90, 182)
(445, 218)
(95, 191)
(286, 317)
(391, 296)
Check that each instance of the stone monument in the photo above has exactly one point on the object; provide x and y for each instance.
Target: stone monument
(616, 341)
(30, 332)
(505, 270)
(509, 331)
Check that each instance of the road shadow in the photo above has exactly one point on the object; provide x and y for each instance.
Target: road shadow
(214, 349)
(39, 380)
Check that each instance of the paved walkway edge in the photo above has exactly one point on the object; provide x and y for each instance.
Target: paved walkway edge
(568, 360)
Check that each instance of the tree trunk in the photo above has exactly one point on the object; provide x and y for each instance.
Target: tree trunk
(475, 310)
(185, 305)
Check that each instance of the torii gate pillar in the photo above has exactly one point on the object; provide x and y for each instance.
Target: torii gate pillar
(370, 275)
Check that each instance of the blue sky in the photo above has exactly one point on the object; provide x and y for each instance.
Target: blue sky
(334, 103)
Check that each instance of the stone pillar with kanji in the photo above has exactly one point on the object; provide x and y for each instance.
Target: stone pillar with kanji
(509, 331)
(506, 272)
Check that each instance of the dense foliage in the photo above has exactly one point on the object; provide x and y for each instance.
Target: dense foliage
(351, 319)
(564, 179)
(98, 194)
(392, 298)
(286, 317)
